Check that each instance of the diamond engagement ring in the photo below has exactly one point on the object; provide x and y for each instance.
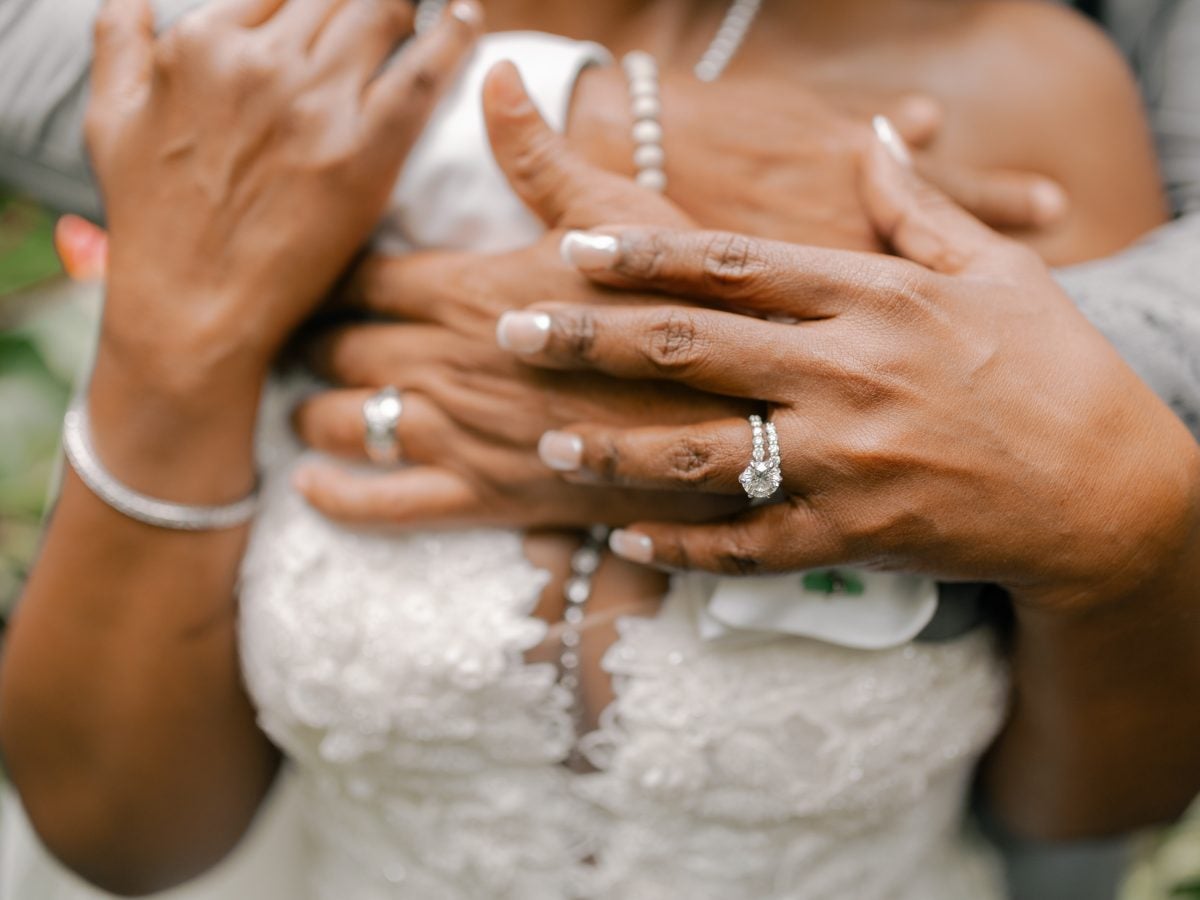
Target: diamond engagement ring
(762, 478)
(381, 414)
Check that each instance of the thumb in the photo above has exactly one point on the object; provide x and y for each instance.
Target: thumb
(916, 219)
(562, 189)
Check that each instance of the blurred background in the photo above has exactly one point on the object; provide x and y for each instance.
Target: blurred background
(46, 325)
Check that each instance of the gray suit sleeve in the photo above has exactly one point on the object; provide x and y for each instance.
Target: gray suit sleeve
(1147, 300)
(45, 54)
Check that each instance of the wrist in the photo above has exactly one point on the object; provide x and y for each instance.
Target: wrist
(177, 437)
(1148, 557)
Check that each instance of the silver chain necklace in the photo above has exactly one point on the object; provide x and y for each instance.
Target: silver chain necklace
(721, 50)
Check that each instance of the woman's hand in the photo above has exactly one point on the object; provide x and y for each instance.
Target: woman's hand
(472, 415)
(244, 157)
(473, 420)
(953, 414)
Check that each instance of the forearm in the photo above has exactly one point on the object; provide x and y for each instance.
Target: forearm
(1104, 734)
(123, 719)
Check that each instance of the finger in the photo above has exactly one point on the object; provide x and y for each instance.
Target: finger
(409, 287)
(769, 278)
(558, 186)
(299, 23)
(918, 118)
(916, 219)
(708, 457)
(421, 495)
(361, 35)
(401, 99)
(244, 13)
(704, 349)
(332, 422)
(124, 48)
(1001, 198)
(782, 537)
(374, 354)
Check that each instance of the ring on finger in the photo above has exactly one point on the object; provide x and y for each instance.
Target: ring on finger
(762, 477)
(381, 415)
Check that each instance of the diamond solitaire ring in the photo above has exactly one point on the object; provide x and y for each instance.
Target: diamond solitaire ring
(762, 478)
(381, 414)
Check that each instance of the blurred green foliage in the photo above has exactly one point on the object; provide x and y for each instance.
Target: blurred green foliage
(26, 244)
(35, 380)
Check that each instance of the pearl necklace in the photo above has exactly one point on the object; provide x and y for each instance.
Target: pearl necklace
(641, 70)
(734, 28)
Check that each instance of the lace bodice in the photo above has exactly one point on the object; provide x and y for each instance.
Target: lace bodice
(391, 670)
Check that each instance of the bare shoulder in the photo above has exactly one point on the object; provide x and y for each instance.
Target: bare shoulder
(1049, 92)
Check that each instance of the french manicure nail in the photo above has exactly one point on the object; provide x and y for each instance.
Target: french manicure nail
(523, 332)
(891, 140)
(561, 451)
(585, 250)
(632, 546)
(467, 12)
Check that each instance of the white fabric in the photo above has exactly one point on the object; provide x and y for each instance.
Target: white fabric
(427, 754)
(891, 611)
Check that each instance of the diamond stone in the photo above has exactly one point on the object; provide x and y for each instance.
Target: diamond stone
(761, 480)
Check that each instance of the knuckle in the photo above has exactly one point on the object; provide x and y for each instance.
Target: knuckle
(731, 261)
(642, 256)
(575, 335)
(188, 38)
(108, 24)
(603, 457)
(423, 81)
(739, 557)
(673, 343)
(692, 463)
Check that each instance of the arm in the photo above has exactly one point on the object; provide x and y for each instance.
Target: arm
(123, 720)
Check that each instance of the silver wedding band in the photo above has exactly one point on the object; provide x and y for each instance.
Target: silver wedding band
(381, 415)
(763, 476)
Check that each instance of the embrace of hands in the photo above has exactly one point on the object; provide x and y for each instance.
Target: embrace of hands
(939, 411)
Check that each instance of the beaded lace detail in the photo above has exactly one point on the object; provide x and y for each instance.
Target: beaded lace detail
(390, 668)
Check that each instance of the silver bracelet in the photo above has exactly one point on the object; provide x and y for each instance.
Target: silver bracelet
(77, 444)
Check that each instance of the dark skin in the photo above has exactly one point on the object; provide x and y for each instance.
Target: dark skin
(187, 767)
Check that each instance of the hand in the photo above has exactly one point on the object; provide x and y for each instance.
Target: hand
(244, 157)
(471, 413)
(949, 413)
(472, 416)
(795, 181)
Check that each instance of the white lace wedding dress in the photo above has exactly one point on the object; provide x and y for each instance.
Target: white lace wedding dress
(426, 755)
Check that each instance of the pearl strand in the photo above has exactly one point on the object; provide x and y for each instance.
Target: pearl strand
(641, 70)
(730, 35)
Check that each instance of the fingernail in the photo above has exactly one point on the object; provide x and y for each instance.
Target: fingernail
(631, 546)
(585, 250)
(467, 12)
(561, 451)
(890, 138)
(1049, 202)
(523, 332)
